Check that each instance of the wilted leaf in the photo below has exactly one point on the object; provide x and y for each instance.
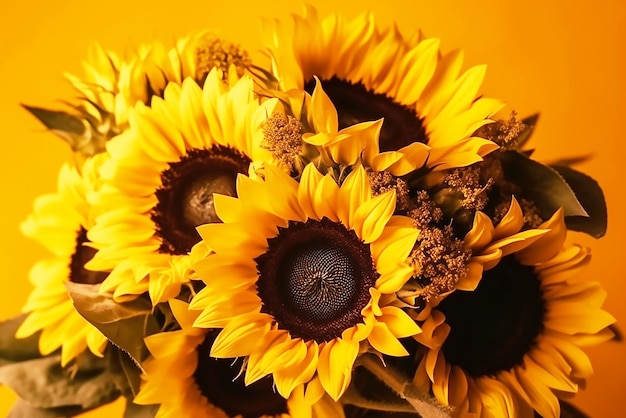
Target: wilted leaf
(524, 136)
(43, 383)
(125, 324)
(16, 349)
(541, 184)
(590, 195)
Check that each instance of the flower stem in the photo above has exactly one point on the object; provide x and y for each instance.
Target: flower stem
(423, 404)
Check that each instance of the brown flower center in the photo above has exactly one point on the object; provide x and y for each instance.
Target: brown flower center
(221, 382)
(82, 254)
(315, 278)
(185, 199)
(355, 103)
(493, 327)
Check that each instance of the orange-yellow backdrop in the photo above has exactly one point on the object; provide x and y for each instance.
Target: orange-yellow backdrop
(563, 58)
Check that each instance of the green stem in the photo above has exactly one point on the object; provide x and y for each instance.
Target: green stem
(353, 397)
(426, 406)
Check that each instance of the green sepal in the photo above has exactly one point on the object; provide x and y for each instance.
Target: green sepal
(17, 349)
(72, 128)
(124, 324)
(617, 333)
(541, 184)
(44, 384)
(590, 196)
(57, 121)
(139, 411)
(530, 122)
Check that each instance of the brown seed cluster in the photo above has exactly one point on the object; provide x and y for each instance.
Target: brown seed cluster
(503, 132)
(383, 181)
(532, 219)
(425, 213)
(440, 260)
(282, 135)
(472, 184)
(212, 52)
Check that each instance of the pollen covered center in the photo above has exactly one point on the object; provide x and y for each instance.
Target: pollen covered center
(185, 199)
(355, 104)
(315, 278)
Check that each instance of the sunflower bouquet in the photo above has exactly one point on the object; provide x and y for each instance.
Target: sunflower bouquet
(308, 234)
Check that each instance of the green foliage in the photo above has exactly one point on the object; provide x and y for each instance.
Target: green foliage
(13, 349)
(590, 196)
(524, 136)
(541, 184)
(44, 384)
(139, 411)
(79, 130)
(124, 324)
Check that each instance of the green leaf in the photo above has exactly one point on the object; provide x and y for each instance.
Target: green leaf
(570, 411)
(541, 184)
(16, 349)
(139, 411)
(590, 195)
(124, 324)
(570, 161)
(43, 383)
(125, 370)
(23, 409)
(56, 120)
(524, 136)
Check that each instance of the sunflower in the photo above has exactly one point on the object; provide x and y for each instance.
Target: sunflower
(111, 86)
(159, 183)
(186, 382)
(512, 345)
(60, 222)
(298, 284)
(430, 110)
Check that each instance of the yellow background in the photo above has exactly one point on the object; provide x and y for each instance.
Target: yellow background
(563, 58)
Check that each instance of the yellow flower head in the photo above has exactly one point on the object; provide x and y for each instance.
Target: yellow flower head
(60, 222)
(512, 345)
(187, 383)
(299, 274)
(428, 108)
(159, 183)
(110, 86)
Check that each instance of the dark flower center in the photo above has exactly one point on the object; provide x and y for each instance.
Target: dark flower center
(355, 103)
(185, 199)
(82, 254)
(315, 278)
(493, 327)
(221, 382)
